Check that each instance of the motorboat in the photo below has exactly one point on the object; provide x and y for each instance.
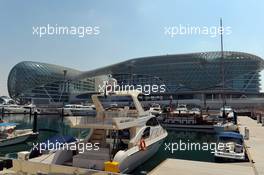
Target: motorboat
(14, 108)
(195, 111)
(228, 111)
(155, 109)
(125, 136)
(79, 110)
(224, 126)
(181, 109)
(11, 136)
(232, 146)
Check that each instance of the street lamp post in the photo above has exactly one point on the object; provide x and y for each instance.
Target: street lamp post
(64, 85)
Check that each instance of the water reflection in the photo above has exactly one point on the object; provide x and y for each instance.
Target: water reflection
(47, 127)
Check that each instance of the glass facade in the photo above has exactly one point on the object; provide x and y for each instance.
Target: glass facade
(33, 80)
(203, 71)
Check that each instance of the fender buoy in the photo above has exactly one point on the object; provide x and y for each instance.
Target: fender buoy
(9, 131)
(142, 145)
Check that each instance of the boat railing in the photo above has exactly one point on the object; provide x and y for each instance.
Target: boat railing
(103, 123)
(118, 113)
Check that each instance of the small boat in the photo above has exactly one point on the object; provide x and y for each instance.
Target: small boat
(228, 111)
(155, 109)
(222, 127)
(232, 146)
(181, 109)
(10, 136)
(14, 108)
(195, 111)
(79, 110)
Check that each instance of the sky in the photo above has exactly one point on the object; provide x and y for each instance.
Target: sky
(128, 29)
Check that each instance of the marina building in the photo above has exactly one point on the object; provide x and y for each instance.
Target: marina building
(186, 76)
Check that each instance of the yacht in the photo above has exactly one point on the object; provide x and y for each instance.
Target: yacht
(155, 109)
(227, 114)
(233, 146)
(79, 110)
(126, 135)
(11, 136)
(228, 111)
(225, 126)
(195, 111)
(14, 108)
(181, 109)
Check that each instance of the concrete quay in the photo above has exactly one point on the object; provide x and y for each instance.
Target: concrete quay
(187, 167)
(255, 143)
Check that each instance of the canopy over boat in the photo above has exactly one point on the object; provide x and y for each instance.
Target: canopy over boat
(230, 135)
(60, 139)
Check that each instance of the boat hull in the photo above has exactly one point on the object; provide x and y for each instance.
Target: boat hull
(18, 139)
(72, 112)
(139, 157)
(228, 156)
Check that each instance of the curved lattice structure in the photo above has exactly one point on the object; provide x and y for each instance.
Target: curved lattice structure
(193, 72)
(183, 72)
(40, 80)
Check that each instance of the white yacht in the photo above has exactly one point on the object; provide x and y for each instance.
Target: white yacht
(155, 109)
(181, 109)
(227, 126)
(11, 136)
(126, 134)
(14, 108)
(229, 112)
(233, 146)
(195, 111)
(79, 110)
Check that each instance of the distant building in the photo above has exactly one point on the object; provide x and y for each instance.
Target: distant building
(185, 76)
(41, 82)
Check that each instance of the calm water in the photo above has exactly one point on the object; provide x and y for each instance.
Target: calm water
(53, 125)
(174, 136)
(48, 126)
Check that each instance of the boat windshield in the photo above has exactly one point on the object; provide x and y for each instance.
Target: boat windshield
(228, 139)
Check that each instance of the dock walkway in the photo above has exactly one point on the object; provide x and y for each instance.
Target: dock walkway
(255, 144)
(187, 167)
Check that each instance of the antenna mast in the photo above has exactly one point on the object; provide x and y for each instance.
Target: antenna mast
(222, 62)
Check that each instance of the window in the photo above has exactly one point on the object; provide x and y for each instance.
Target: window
(152, 122)
(146, 133)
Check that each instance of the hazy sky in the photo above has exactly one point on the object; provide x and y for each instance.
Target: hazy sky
(128, 29)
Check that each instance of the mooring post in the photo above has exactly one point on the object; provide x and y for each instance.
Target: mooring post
(235, 117)
(246, 137)
(3, 112)
(258, 118)
(35, 122)
(62, 113)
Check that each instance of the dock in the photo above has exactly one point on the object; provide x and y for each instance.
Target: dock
(255, 143)
(188, 167)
